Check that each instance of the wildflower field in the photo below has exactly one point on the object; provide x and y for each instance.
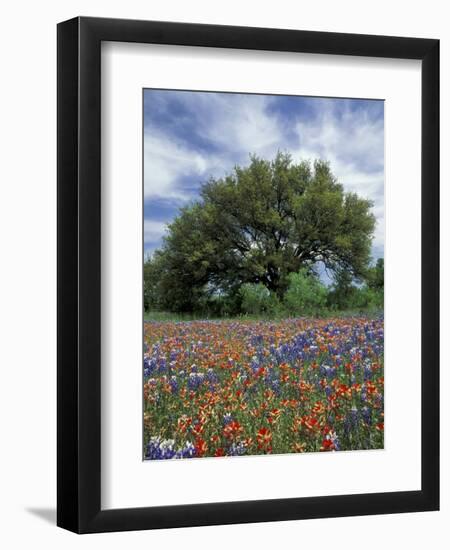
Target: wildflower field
(246, 387)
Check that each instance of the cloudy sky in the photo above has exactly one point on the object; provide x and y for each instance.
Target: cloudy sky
(191, 136)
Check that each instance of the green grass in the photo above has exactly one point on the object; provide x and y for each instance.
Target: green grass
(174, 317)
(170, 316)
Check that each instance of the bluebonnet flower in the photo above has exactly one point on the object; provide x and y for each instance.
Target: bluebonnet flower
(366, 415)
(336, 442)
(188, 451)
(227, 418)
(150, 366)
(257, 339)
(276, 387)
(330, 442)
(212, 376)
(255, 364)
(363, 394)
(159, 449)
(195, 380)
(353, 416)
(351, 420)
(367, 371)
(237, 449)
(379, 400)
(328, 372)
(173, 384)
(162, 365)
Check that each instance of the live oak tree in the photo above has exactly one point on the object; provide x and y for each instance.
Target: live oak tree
(257, 225)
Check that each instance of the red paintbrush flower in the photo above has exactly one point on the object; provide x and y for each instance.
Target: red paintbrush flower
(264, 437)
(200, 447)
(318, 408)
(232, 429)
(311, 423)
(274, 415)
(197, 428)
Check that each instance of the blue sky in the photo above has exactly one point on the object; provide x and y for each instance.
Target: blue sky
(191, 136)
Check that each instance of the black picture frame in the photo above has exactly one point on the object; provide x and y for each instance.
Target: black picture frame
(79, 281)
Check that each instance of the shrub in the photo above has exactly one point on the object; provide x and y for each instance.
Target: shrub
(305, 295)
(368, 298)
(257, 299)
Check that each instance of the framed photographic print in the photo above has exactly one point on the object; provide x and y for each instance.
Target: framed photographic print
(248, 274)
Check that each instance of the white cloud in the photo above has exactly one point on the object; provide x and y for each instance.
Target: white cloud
(353, 143)
(234, 125)
(238, 123)
(153, 231)
(165, 162)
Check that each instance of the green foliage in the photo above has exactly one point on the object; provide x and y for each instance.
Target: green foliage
(342, 294)
(305, 295)
(345, 295)
(375, 275)
(257, 299)
(152, 274)
(256, 226)
(367, 298)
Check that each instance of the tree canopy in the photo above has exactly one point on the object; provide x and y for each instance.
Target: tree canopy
(258, 225)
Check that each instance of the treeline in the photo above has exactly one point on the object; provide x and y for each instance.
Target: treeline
(306, 295)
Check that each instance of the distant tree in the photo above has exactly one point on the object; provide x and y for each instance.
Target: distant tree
(375, 282)
(342, 292)
(345, 294)
(151, 278)
(375, 276)
(258, 225)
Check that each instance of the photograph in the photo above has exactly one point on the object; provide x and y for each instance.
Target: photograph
(225, 257)
(263, 274)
